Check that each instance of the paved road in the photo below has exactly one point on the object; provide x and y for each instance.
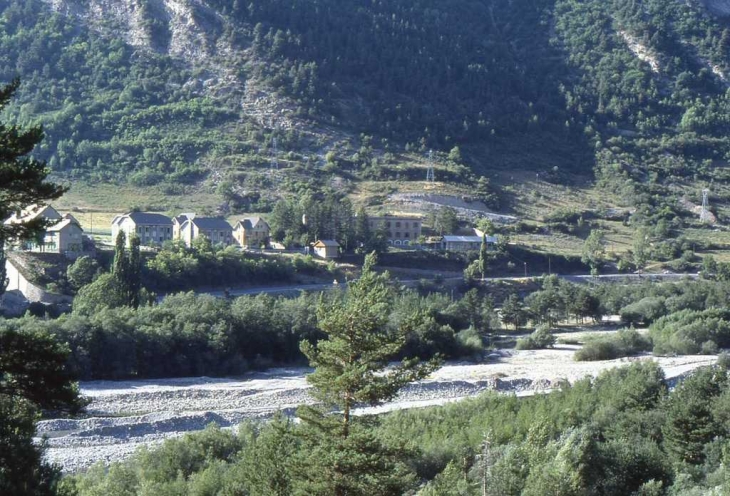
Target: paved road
(578, 278)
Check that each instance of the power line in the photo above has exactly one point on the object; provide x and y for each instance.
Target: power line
(430, 176)
(705, 215)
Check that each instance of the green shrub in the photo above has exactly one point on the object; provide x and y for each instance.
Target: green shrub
(690, 332)
(540, 339)
(625, 343)
(645, 311)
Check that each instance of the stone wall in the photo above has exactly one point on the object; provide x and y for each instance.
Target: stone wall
(32, 292)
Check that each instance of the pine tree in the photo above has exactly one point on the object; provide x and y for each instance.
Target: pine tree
(351, 369)
(513, 311)
(22, 180)
(362, 228)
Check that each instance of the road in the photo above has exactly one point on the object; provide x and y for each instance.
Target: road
(578, 278)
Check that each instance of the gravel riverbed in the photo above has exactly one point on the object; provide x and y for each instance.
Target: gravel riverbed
(124, 415)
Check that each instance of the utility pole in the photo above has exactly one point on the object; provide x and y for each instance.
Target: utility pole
(525, 264)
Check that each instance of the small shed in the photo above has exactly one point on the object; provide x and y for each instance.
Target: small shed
(327, 249)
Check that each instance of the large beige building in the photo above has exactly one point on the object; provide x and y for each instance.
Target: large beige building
(252, 232)
(401, 230)
(152, 229)
(63, 234)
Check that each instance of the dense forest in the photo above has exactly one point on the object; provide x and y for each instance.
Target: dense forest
(633, 90)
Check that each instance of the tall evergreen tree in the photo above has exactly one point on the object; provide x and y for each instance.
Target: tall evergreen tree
(362, 228)
(134, 272)
(483, 257)
(22, 180)
(33, 376)
(351, 369)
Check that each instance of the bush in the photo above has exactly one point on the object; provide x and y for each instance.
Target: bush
(646, 311)
(540, 339)
(469, 342)
(625, 343)
(691, 332)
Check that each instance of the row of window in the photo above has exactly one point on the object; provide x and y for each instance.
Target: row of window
(397, 224)
(154, 229)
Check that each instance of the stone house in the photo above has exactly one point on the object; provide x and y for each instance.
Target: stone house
(252, 232)
(217, 230)
(152, 229)
(401, 230)
(327, 249)
(63, 235)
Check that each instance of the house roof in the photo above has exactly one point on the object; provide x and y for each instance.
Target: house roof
(250, 222)
(146, 218)
(67, 221)
(396, 217)
(211, 223)
(326, 242)
(469, 239)
(180, 219)
(33, 212)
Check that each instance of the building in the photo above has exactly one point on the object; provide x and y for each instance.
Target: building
(217, 230)
(152, 229)
(63, 234)
(178, 221)
(400, 230)
(252, 232)
(327, 249)
(466, 243)
(66, 236)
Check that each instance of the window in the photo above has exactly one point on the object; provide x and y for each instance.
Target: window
(397, 234)
(147, 229)
(408, 235)
(397, 224)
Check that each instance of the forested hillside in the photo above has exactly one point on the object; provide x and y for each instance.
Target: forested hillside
(176, 91)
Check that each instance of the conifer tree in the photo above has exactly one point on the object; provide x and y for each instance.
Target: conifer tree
(483, 257)
(22, 180)
(352, 369)
(134, 272)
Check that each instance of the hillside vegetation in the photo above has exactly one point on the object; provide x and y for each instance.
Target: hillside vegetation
(175, 94)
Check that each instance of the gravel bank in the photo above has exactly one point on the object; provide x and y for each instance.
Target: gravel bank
(125, 415)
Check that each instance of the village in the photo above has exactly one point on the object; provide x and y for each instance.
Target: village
(65, 238)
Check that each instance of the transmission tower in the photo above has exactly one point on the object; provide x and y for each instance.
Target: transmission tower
(705, 215)
(430, 177)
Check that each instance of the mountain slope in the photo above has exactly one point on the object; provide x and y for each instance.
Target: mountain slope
(176, 92)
